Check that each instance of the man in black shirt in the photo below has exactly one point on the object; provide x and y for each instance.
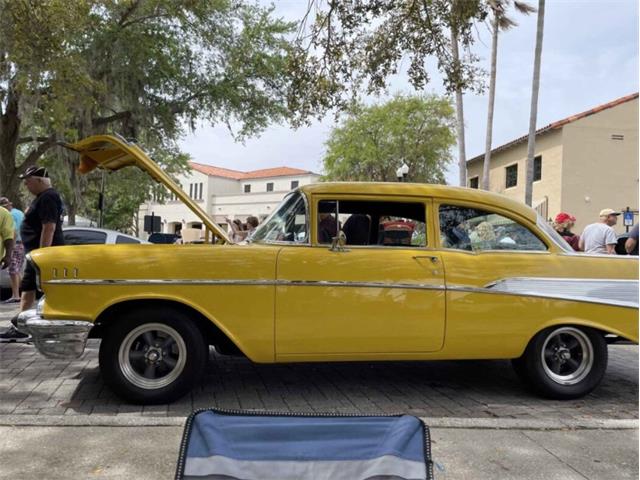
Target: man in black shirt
(41, 227)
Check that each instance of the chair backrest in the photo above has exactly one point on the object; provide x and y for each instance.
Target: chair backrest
(191, 235)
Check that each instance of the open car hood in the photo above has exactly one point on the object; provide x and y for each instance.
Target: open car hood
(114, 152)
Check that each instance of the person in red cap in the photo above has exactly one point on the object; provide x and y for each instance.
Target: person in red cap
(563, 224)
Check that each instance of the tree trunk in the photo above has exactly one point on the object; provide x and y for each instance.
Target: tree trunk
(492, 97)
(462, 154)
(72, 202)
(9, 134)
(535, 88)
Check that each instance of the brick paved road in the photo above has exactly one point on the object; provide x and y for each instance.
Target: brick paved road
(31, 384)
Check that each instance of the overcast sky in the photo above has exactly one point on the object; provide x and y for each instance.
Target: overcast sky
(589, 57)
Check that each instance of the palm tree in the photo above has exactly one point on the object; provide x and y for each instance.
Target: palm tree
(501, 21)
(462, 154)
(535, 87)
(462, 13)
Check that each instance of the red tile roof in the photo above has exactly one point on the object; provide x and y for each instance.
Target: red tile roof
(275, 172)
(561, 123)
(237, 175)
(216, 171)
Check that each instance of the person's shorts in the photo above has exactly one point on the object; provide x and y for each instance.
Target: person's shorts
(28, 283)
(17, 259)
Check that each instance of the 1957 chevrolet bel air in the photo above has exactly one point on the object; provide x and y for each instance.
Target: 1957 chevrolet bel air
(339, 272)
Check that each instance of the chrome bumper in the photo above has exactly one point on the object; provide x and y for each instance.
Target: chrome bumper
(55, 338)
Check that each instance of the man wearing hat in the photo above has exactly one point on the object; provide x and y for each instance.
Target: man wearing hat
(41, 227)
(563, 224)
(600, 237)
(17, 256)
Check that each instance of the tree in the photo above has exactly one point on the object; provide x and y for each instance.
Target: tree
(361, 43)
(501, 21)
(462, 12)
(535, 88)
(145, 68)
(372, 142)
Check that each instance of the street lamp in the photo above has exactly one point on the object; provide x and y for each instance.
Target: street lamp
(402, 172)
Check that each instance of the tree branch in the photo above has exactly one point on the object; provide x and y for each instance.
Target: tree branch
(134, 6)
(104, 120)
(33, 157)
(22, 140)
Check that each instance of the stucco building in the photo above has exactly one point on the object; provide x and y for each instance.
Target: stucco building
(224, 193)
(583, 163)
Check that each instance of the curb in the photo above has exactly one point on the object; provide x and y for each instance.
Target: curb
(438, 422)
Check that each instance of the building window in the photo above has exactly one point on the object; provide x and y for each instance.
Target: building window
(537, 168)
(294, 184)
(512, 176)
(200, 193)
(191, 190)
(270, 187)
(473, 182)
(247, 188)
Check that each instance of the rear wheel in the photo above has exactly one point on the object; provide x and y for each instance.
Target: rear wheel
(152, 355)
(564, 362)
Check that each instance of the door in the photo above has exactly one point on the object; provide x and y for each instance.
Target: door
(483, 248)
(379, 295)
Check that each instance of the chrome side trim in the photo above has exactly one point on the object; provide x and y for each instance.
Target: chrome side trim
(324, 283)
(621, 293)
(155, 281)
(299, 283)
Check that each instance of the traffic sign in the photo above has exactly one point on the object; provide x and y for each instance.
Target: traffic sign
(627, 219)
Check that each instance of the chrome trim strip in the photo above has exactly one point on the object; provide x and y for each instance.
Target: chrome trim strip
(152, 281)
(299, 283)
(325, 283)
(621, 293)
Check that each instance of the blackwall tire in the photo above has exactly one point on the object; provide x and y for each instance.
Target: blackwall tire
(564, 362)
(152, 355)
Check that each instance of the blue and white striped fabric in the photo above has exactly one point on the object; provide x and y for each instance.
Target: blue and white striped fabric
(221, 446)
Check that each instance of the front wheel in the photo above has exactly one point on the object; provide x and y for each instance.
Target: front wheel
(564, 362)
(152, 355)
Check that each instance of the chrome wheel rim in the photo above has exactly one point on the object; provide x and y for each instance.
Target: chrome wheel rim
(567, 356)
(152, 356)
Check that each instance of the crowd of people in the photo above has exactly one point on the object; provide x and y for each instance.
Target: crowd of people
(241, 231)
(597, 237)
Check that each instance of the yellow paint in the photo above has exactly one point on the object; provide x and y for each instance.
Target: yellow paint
(284, 319)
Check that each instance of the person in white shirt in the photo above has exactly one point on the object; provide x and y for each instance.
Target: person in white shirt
(600, 237)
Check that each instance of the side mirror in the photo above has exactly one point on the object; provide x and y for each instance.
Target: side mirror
(338, 242)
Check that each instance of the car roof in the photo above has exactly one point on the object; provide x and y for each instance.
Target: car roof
(102, 230)
(421, 190)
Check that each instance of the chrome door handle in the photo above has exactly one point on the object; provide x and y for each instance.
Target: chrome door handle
(433, 258)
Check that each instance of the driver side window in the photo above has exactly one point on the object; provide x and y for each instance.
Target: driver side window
(471, 229)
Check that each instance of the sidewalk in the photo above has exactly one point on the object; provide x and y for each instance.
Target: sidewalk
(58, 420)
(152, 452)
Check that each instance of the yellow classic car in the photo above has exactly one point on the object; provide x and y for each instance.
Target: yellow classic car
(338, 272)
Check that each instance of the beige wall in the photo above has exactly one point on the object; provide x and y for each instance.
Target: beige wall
(601, 172)
(549, 146)
(583, 169)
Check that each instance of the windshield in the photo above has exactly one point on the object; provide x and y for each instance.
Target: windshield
(555, 236)
(288, 223)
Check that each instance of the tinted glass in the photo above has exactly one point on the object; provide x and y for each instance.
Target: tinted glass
(123, 239)
(471, 229)
(83, 237)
